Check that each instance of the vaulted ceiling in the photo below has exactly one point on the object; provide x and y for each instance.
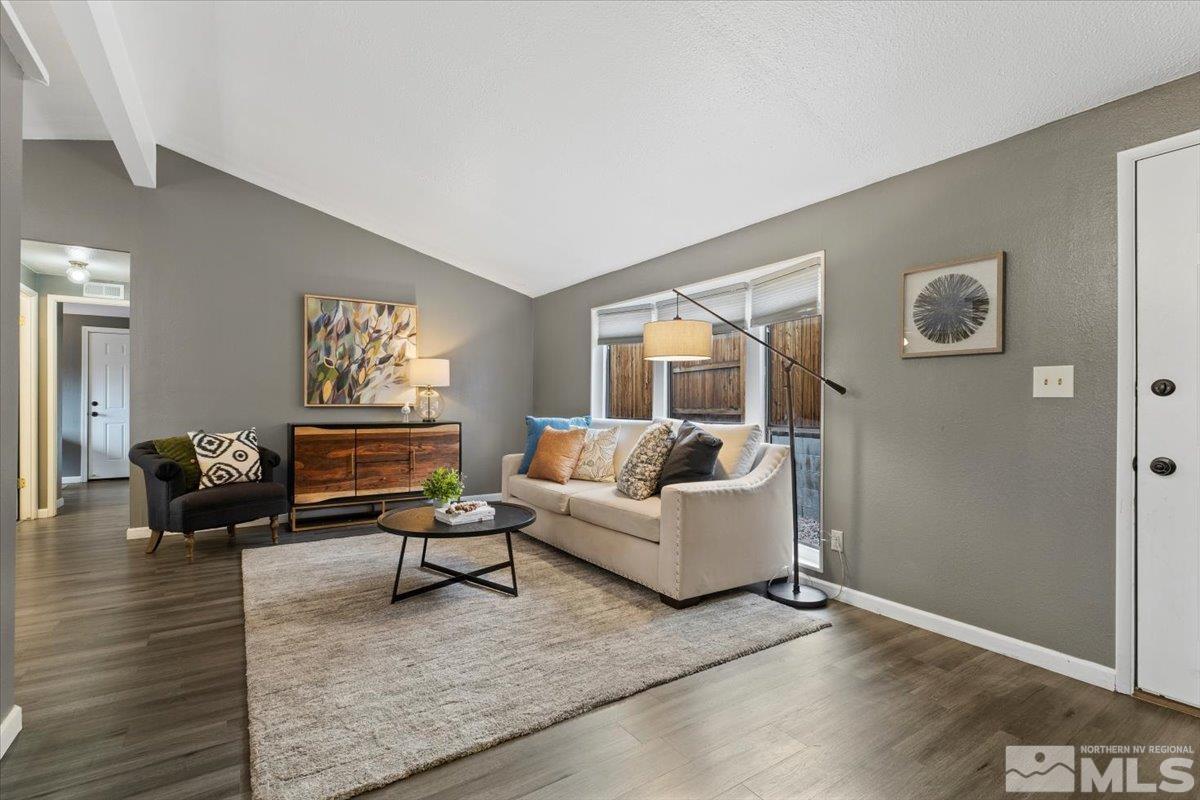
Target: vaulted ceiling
(539, 144)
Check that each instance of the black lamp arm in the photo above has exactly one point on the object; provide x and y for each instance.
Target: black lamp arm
(791, 362)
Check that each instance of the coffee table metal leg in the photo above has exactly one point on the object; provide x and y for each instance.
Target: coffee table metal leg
(400, 564)
(512, 562)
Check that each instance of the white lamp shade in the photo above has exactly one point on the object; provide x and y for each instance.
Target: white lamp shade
(429, 372)
(677, 340)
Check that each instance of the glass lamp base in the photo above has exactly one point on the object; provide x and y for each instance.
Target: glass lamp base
(429, 404)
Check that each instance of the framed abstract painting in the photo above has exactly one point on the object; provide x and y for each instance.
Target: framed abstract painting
(356, 352)
(953, 309)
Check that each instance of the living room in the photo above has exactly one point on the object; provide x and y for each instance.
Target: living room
(581, 400)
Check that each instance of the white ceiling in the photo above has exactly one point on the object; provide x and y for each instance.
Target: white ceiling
(539, 144)
(48, 258)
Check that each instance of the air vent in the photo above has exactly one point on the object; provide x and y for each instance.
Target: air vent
(109, 291)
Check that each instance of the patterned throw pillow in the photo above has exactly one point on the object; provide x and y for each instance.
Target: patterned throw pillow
(596, 458)
(227, 457)
(639, 473)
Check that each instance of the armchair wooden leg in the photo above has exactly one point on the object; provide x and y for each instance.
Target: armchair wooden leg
(155, 538)
(274, 529)
(189, 539)
(232, 529)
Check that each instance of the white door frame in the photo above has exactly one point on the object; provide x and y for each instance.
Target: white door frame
(28, 405)
(85, 392)
(1126, 586)
(51, 441)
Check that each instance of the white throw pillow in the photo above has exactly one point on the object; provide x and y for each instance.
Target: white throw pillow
(596, 458)
(226, 458)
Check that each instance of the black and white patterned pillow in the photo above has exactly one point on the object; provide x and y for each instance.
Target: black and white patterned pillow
(227, 457)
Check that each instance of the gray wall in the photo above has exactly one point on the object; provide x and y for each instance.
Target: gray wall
(959, 493)
(10, 276)
(218, 267)
(70, 379)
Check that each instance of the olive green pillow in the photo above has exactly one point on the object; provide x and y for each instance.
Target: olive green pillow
(181, 450)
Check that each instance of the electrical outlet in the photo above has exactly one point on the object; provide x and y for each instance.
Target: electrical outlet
(835, 541)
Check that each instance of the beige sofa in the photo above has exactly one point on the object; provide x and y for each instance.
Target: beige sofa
(696, 539)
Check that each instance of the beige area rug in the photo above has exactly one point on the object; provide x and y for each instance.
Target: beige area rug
(348, 692)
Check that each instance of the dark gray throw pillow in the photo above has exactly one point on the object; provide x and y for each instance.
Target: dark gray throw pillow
(693, 458)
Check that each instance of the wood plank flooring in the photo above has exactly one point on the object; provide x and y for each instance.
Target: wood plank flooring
(130, 674)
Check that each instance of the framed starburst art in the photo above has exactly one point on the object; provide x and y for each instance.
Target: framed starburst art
(356, 352)
(953, 309)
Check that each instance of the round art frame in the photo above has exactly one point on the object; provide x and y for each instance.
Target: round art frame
(964, 278)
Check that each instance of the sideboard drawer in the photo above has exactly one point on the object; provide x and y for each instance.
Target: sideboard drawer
(384, 461)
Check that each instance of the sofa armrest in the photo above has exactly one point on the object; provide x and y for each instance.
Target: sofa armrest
(509, 465)
(269, 460)
(717, 535)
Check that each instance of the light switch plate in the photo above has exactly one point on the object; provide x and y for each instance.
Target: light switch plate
(1054, 381)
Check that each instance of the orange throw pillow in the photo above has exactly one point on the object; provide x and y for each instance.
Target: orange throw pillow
(557, 454)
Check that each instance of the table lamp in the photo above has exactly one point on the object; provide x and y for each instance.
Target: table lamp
(428, 373)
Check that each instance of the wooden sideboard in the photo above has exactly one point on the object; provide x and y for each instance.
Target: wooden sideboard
(346, 465)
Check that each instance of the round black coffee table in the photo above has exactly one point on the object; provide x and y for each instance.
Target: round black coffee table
(419, 522)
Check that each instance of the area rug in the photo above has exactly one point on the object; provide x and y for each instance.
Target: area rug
(348, 692)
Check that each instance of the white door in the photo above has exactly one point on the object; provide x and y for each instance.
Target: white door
(1168, 425)
(106, 397)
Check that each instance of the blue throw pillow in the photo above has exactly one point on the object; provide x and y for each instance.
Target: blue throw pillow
(533, 432)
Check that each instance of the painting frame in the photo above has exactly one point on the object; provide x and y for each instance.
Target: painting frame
(304, 351)
(995, 270)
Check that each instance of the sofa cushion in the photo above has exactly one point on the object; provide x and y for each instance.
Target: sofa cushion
(610, 509)
(546, 494)
(229, 504)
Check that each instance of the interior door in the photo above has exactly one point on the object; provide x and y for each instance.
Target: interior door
(107, 394)
(1168, 425)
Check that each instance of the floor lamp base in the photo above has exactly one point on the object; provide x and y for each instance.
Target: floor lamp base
(782, 591)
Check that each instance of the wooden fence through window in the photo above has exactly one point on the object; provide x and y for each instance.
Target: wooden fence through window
(800, 339)
(714, 390)
(630, 383)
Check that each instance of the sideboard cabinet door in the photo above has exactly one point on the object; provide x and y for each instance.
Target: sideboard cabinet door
(433, 447)
(324, 463)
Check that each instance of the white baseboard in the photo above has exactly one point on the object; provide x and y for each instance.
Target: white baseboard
(70, 479)
(144, 532)
(46, 513)
(1044, 657)
(9, 728)
(62, 501)
(495, 497)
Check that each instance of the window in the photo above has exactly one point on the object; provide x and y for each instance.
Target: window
(629, 387)
(715, 390)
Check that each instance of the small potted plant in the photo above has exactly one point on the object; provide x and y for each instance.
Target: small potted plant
(443, 486)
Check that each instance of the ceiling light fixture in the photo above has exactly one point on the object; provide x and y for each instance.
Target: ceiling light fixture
(78, 272)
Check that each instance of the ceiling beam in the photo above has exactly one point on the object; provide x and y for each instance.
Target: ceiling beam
(95, 37)
(13, 34)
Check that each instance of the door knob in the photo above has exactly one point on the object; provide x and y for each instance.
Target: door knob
(95, 402)
(1163, 387)
(95, 413)
(1162, 466)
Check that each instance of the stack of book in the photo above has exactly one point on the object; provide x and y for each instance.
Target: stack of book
(461, 513)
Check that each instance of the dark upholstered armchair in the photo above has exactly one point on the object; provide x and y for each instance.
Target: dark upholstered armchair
(172, 508)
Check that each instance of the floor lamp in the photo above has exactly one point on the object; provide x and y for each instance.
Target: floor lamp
(691, 340)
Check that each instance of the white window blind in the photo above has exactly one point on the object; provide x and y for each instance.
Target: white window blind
(622, 325)
(728, 301)
(786, 295)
